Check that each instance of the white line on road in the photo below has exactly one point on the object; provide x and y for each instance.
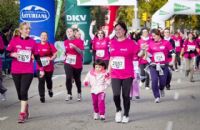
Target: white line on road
(169, 125)
(176, 96)
(3, 118)
(58, 94)
(57, 76)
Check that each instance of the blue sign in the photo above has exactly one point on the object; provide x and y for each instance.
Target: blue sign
(41, 16)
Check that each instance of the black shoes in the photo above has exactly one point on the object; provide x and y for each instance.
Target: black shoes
(50, 93)
(42, 99)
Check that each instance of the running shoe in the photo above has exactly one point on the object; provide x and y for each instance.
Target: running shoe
(125, 119)
(95, 116)
(118, 117)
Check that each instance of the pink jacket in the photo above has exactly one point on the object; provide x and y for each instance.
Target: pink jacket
(98, 82)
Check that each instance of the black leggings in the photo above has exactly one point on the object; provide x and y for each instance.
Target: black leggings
(144, 75)
(41, 86)
(177, 60)
(2, 88)
(197, 61)
(22, 84)
(72, 73)
(125, 85)
(169, 77)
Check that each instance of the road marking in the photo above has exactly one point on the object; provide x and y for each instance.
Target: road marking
(57, 76)
(176, 96)
(169, 125)
(3, 118)
(58, 94)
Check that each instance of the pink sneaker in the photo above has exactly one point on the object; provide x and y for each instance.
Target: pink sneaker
(22, 117)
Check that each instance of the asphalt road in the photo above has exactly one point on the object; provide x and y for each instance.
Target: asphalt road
(178, 110)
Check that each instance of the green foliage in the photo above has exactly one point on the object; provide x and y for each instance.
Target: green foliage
(150, 7)
(60, 34)
(187, 21)
(126, 14)
(9, 14)
(98, 14)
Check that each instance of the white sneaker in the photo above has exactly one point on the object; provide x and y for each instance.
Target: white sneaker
(162, 93)
(69, 97)
(102, 117)
(3, 96)
(157, 100)
(118, 117)
(147, 88)
(96, 116)
(125, 119)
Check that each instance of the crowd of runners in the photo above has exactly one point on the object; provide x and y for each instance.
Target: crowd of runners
(125, 61)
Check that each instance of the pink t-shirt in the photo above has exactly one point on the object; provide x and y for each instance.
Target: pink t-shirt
(25, 48)
(102, 48)
(122, 54)
(1, 48)
(189, 49)
(178, 43)
(141, 43)
(46, 50)
(72, 56)
(159, 51)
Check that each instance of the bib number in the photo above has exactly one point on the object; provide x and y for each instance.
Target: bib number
(191, 47)
(24, 56)
(44, 61)
(159, 57)
(177, 43)
(71, 59)
(118, 63)
(100, 53)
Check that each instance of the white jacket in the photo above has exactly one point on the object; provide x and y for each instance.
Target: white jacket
(98, 82)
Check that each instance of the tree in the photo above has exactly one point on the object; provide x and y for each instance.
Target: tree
(9, 13)
(60, 33)
(98, 14)
(126, 14)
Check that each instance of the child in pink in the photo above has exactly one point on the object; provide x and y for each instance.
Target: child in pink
(99, 80)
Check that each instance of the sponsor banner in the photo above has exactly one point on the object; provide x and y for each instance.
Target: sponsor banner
(79, 16)
(106, 2)
(163, 12)
(180, 7)
(197, 10)
(41, 17)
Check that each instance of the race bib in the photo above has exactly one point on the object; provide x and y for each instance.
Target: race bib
(71, 59)
(24, 56)
(100, 53)
(159, 57)
(177, 43)
(44, 61)
(191, 47)
(118, 63)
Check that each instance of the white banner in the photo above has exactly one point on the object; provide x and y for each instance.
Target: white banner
(185, 7)
(106, 2)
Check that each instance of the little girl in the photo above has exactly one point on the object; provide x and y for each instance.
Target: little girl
(99, 80)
